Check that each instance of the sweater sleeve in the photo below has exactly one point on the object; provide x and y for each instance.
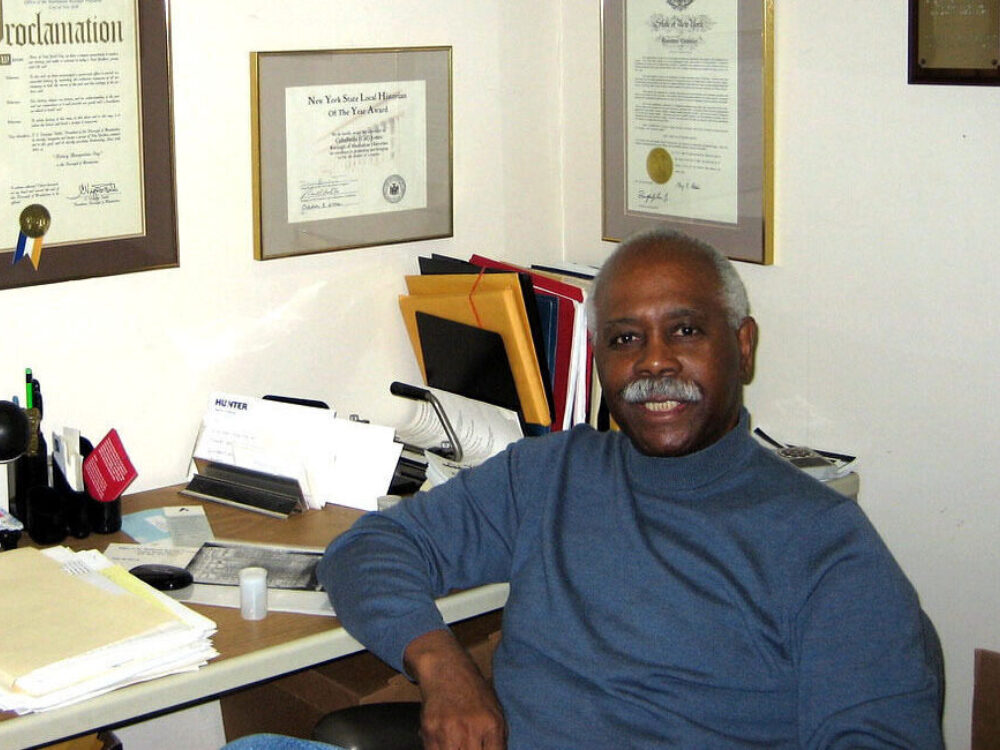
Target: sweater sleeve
(383, 575)
(869, 662)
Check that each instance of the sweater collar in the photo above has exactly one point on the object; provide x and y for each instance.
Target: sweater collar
(693, 470)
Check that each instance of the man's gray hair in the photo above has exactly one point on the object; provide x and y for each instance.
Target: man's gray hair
(734, 294)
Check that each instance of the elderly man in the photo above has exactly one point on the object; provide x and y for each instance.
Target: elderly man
(671, 585)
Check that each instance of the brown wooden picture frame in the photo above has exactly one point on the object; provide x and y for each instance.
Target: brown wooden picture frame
(156, 246)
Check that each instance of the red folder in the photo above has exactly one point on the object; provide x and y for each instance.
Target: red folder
(566, 294)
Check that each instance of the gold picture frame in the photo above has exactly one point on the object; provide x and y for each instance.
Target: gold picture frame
(955, 42)
(351, 148)
(687, 111)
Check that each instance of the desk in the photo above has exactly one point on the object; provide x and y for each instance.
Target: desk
(249, 651)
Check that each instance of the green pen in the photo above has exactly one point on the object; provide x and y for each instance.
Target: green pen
(28, 391)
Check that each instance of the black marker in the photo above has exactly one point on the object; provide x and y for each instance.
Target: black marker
(36, 396)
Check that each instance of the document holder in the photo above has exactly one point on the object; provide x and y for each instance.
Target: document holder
(270, 494)
(453, 448)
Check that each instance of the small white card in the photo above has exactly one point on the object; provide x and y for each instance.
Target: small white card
(188, 525)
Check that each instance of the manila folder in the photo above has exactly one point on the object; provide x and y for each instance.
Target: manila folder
(51, 615)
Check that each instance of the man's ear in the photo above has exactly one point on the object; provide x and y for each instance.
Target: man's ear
(746, 340)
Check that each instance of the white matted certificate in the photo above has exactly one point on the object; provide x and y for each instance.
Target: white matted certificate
(681, 67)
(352, 148)
(359, 149)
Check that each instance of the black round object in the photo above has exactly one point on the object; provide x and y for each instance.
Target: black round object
(14, 431)
(372, 726)
(162, 577)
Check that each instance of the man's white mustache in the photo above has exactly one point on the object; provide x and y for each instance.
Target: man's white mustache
(645, 389)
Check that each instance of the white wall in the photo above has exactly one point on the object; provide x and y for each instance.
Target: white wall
(142, 352)
(879, 319)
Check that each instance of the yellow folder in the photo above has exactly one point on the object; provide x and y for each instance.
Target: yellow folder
(465, 283)
(52, 616)
(501, 311)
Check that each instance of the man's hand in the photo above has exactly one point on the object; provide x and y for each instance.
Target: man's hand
(460, 710)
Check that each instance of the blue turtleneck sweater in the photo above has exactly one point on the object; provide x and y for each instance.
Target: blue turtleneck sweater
(718, 600)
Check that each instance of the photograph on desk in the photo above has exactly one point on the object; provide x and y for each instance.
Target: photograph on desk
(220, 563)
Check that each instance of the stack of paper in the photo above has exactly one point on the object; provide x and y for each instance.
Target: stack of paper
(483, 430)
(339, 461)
(77, 626)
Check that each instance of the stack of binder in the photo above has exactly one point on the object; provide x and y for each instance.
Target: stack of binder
(512, 336)
(76, 626)
(575, 385)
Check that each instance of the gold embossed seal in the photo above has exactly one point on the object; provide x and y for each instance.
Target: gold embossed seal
(35, 220)
(659, 165)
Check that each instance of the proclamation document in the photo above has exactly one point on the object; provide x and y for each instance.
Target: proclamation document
(355, 149)
(71, 124)
(681, 125)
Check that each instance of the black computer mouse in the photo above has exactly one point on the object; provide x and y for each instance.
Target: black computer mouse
(162, 577)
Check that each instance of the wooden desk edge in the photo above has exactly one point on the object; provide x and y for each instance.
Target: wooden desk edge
(135, 701)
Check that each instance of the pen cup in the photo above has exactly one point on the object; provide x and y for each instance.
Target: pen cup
(9, 539)
(253, 593)
(105, 517)
(46, 523)
(76, 504)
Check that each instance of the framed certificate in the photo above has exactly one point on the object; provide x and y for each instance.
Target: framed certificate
(87, 185)
(687, 130)
(351, 148)
(955, 42)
